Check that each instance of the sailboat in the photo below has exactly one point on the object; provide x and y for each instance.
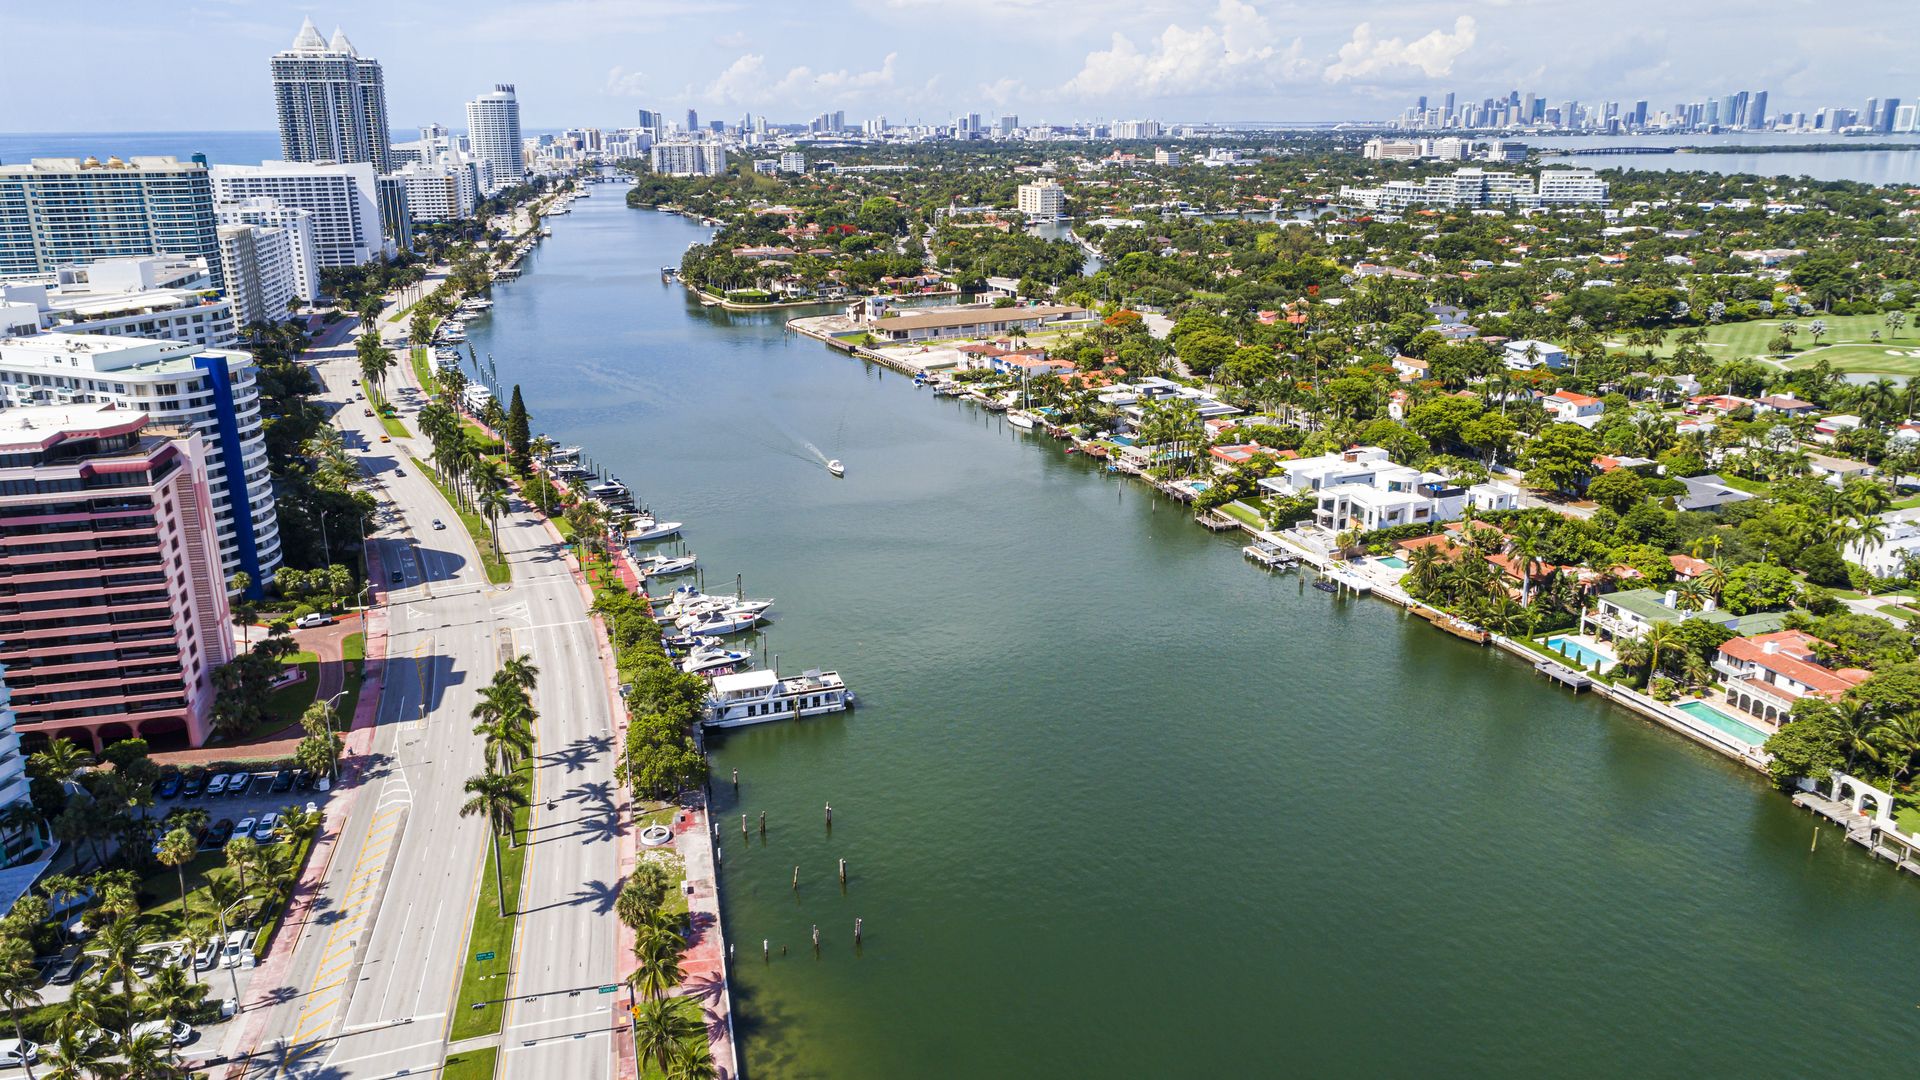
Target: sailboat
(1020, 417)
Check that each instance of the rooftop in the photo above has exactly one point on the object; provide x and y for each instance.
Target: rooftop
(934, 320)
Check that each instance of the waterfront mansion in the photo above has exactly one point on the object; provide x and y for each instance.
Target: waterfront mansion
(1363, 489)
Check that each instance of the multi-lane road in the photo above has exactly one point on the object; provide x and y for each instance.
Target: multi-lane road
(371, 988)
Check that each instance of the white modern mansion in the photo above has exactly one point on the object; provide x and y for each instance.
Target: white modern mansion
(1362, 489)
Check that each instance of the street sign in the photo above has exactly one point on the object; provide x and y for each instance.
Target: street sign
(609, 989)
(482, 956)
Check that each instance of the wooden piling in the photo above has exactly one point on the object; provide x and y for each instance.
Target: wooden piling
(796, 879)
(856, 931)
(843, 871)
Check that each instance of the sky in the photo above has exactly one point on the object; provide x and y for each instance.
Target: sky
(138, 65)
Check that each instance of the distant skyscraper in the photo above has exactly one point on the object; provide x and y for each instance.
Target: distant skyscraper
(1757, 109)
(651, 122)
(693, 120)
(493, 134)
(1448, 109)
(331, 102)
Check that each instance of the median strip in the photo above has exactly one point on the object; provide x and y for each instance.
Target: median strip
(484, 976)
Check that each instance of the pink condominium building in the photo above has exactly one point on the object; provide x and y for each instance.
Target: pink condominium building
(113, 613)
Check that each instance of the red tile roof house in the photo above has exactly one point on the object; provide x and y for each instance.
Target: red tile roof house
(1719, 403)
(1686, 567)
(1783, 403)
(1225, 457)
(1767, 673)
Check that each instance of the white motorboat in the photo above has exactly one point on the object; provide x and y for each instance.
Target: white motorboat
(663, 566)
(707, 657)
(754, 697)
(611, 492)
(836, 468)
(708, 609)
(724, 622)
(646, 529)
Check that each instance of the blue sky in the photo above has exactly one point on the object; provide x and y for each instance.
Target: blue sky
(114, 65)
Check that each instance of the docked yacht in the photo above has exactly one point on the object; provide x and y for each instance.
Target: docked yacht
(646, 530)
(613, 493)
(708, 657)
(704, 610)
(665, 566)
(721, 623)
(754, 697)
(1023, 420)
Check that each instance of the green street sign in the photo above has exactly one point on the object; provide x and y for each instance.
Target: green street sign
(478, 957)
(609, 989)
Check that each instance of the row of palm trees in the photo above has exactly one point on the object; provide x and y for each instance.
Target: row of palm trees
(504, 719)
(664, 1033)
(478, 483)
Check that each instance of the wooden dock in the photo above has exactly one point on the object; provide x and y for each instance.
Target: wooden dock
(1564, 675)
(1215, 521)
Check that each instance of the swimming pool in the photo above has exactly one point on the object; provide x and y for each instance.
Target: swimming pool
(1198, 485)
(1581, 654)
(1723, 723)
(1394, 561)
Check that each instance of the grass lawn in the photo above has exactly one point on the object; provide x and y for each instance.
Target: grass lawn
(485, 982)
(1848, 344)
(1741, 483)
(163, 889)
(383, 410)
(498, 572)
(471, 1064)
(1906, 814)
(1242, 512)
(423, 371)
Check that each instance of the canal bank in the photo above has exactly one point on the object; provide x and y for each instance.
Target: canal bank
(1108, 789)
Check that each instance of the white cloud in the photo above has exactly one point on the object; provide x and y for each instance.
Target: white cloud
(746, 82)
(1003, 91)
(1238, 51)
(567, 20)
(1367, 56)
(624, 83)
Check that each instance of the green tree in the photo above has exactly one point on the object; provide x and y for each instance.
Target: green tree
(19, 983)
(1560, 458)
(1617, 489)
(659, 1029)
(496, 797)
(643, 894)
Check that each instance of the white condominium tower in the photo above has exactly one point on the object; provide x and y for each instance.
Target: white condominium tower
(493, 134)
(344, 199)
(331, 102)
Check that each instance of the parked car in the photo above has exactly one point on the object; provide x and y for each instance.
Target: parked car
(210, 952)
(309, 621)
(234, 948)
(217, 786)
(302, 780)
(398, 577)
(237, 783)
(15, 1052)
(267, 832)
(283, 781)
(178, 1032)
(194, 785)
(168, 787)
(219, 834)
(245, 828)
(67, 971)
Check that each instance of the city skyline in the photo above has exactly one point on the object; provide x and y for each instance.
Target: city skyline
(596, 62)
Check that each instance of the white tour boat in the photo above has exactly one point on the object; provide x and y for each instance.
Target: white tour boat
(755, 697)
(646, 529)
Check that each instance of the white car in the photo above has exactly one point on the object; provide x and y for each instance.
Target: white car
(308, 622)
(264, 833)
(245, 828)
(179, 1032)
(18, 1052)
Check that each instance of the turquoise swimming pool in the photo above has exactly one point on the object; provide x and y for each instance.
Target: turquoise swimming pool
(1579, 653)
(1394, 561)
(1723, 723)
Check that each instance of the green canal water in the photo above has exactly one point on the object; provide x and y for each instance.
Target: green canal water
(1116, 803)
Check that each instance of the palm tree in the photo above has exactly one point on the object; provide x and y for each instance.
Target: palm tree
(493, 502)
(504, 742)
(659, 1028)
(19, 984)
(693, 1061)
(177, 849)
(496, 796)
(1661, 640)
(1857, 724)
(1897, 740)
(149, 1056)
(59, 760)
(1525, 545)
(75, 1055)
(656, 950)
(521, 672)
(170, 996)
(118, 946)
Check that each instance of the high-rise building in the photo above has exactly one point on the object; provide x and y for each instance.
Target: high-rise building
(1757, 110)
(295, 222)
(260, 273)
(689, 158)
(22, 841)
(652, 123)
(115, 616)
(344, 199)
(1042, 201)
(209, 391)
(57, 212)
(693, 120)
(331, 102)
(1009, 124)
(149, 296)
(493, 134)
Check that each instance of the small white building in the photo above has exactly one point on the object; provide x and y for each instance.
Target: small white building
(162, 297)
(1900, 540)
(1570, 407)
(1530, 354)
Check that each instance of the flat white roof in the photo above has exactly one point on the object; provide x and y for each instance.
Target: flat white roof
(745, 680)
